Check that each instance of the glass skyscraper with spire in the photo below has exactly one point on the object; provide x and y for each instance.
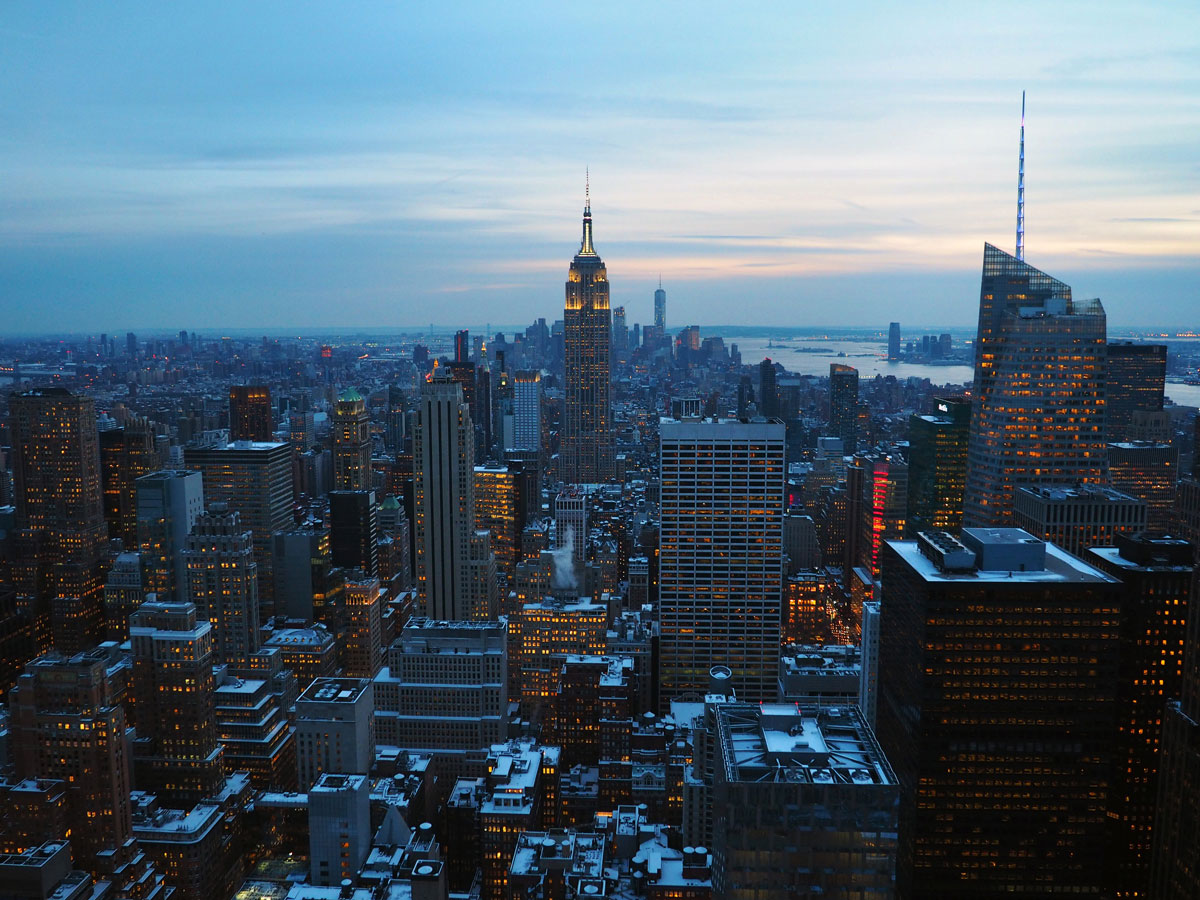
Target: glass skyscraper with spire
(1039, 394)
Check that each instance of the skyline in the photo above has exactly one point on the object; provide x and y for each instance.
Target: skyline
(235, 174)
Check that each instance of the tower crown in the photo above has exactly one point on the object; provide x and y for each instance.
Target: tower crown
(585, 246)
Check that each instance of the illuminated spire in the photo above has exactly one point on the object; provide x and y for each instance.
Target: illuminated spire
(1021, 188)
(586, 248)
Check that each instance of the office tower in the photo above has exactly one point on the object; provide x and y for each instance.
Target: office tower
(586, 452)
(395, 545)
(1196, 447)
(354, 531)
(660, 308)
(351, 443)
(176, 755)
(527, 412)
(868, 689)
(720, 566)
(66, 724)
(1174, 864)
(882, 480)
(800, 543)
(222, 581)
(542, 634)
(253, 726)
(571, 522)
(168, 503)
(445, 686)
(362, 639)
(302, 430)
(745, 396)
(843, 405)
(1149, 471)
(335, 729)
(620, 331)
(462, 346)
(833, 785)
(894, 341)
(997, 673)
(305, 586)
(124, 591)
(937, 466)
(768, 394)
(1038, 403)
(250, 416)
(60, 540)
(253, 479)
(339, 828)
(500, 509)
(455, 566)
(1137, 378)
(126, 454)
(1076, 518)
(309, 652)
(1157, 573)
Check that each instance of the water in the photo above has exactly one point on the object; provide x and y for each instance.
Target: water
(1184, 394)
(869, 357)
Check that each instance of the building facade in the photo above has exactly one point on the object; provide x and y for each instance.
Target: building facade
(1039, 397)
(721, 550)
(586, 451)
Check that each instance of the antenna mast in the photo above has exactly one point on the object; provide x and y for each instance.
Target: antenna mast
(1021, 188)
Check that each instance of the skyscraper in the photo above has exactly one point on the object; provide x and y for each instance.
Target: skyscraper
(997, 687)
(1175, 865)
(660, 309)
(1150, 472)
(335, 728)
(768, 393)
(1156, 572)
(60, 516)
(937, 466)
(253, 479)
(500, 509)
(882, 504)
(176, 754)
(620, 331)
(354, 531)
(351, 443)
(1038, 404)
(843, 405)
(586, 452)
(67, 724)
(126, 454)
(894, 341)
(168, 503)
(222, 582)
(1137, 378)
(527, 412)
(720, 564)
(250, 417)
(453, 580)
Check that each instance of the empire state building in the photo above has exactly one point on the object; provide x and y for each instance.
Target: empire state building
(586, 452)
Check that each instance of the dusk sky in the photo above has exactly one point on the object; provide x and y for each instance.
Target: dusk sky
(275, 165)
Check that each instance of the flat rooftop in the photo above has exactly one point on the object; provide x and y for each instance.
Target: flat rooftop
(776, 742)
(1061, 567)
(1083, 493)
(335, 690)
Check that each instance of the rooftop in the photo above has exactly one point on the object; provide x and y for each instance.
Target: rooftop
(335, 690)
(1060, 567)
(1079, 493)
(777, 742)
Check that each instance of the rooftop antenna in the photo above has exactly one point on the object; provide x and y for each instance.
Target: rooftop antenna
(1021, 188)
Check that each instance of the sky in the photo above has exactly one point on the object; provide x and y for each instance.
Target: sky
(279, 165)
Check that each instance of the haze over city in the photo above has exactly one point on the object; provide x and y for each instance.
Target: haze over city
(283, 165)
